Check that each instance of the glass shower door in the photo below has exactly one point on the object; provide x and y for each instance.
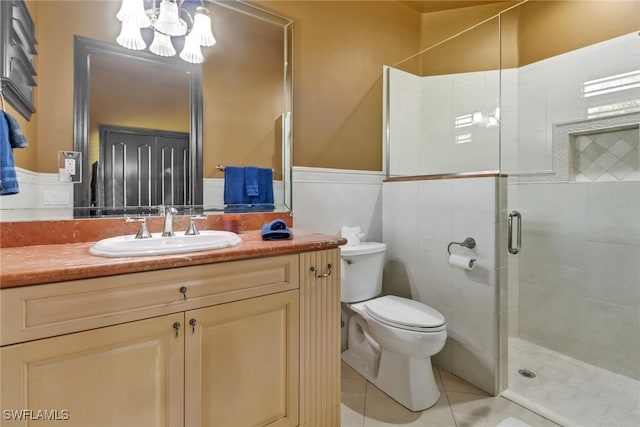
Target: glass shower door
(570, 145)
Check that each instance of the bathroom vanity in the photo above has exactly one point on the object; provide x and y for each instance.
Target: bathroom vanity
(247, 335)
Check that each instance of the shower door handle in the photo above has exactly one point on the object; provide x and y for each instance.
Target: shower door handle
(515, 250)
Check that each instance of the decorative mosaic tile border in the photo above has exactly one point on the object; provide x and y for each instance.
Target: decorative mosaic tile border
(608, 155)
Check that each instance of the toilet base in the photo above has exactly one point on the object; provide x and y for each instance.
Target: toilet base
(407, 380)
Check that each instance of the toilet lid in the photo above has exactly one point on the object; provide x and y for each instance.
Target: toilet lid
(405, 313)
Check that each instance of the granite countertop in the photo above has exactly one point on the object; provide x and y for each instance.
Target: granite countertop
(31, 265)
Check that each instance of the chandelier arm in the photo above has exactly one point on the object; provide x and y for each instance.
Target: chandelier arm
(190, 18)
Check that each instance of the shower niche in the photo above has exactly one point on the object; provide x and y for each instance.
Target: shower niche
(606, 155)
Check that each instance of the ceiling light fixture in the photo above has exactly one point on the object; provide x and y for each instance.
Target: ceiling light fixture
(166, 20)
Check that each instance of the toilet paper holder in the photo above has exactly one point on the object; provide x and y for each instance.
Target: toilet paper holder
(469, 242)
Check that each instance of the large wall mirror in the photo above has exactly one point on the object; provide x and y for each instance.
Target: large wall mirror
(156, 131)
(234, 109)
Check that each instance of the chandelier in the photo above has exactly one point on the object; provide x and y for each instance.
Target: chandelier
(166, 21)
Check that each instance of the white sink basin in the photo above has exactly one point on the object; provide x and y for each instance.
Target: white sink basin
(126, 246)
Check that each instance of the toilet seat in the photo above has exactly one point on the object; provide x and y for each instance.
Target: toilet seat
(405, 314)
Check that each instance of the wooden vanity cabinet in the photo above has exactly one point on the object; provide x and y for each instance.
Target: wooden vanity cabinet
(241, 363)
(124, 375)
(253, 342)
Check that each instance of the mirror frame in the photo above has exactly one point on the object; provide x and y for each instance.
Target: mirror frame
(84, 48)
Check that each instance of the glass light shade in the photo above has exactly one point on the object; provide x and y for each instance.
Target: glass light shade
(191, 52)
(162, 45)
(130, 36)
(133, 11)
(202, 28)
(169, 21)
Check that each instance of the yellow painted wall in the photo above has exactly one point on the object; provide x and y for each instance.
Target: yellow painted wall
(338, 54)
(339, 50)
(598, 20)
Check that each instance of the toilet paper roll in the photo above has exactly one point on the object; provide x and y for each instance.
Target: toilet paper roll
(462, 261)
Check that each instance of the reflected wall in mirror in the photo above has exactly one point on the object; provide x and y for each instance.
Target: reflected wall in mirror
(141, 137)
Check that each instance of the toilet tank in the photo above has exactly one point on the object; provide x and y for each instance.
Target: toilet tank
(361, 271)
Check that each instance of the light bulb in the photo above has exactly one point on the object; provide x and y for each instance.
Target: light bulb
(133, 11)
(130, 36)
(191, 52)
(202, 27)
(162, 45)
(169, 21)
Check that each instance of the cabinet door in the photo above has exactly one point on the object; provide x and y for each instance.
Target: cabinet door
(320, 338)
(124, 375)
(241, 363)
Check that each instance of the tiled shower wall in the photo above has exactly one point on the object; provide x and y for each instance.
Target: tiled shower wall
(420, 219)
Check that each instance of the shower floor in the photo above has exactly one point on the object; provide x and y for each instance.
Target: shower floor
(571, 392)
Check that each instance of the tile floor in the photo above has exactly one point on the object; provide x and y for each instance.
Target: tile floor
(571, 392)
(461, 405)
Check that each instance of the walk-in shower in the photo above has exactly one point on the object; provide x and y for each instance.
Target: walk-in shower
(546, 97)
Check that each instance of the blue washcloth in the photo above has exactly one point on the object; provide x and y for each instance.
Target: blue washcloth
(8, 178)
(16, 137)
(234, 192)
(251, 181)
(276, 230)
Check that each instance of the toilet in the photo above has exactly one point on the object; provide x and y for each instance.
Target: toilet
(390, 339)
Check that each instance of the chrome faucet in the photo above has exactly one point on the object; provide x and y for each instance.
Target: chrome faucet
(169, 212)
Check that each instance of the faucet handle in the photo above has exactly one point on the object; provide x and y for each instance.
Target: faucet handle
(192, 230)
(143, 232)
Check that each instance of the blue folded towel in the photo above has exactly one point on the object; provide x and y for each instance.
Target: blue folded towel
(251, 181)
(8, 178)
(234, 191)
(249, 185)
(276, 230)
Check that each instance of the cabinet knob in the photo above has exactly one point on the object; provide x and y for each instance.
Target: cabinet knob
(176, 326)
(183, 291)
(192, 322)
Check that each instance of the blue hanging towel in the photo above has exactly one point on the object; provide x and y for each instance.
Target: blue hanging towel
(264, 201)
(234, 191)
(251, 183)
(16, 137)
(265, 183)
(276, 230)
(8, 178)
